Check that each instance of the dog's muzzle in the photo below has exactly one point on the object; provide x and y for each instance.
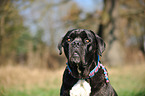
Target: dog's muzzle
(75, 58)
(75, 51)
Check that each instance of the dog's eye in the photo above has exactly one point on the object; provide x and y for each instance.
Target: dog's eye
(87, 41)
(68, 40)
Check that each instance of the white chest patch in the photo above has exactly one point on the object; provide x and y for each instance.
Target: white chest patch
(81, 88)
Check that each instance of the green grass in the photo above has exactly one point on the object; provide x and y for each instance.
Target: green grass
(31, 92)
(55, 92)
(127, 81)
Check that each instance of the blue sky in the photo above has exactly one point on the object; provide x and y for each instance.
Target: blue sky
(90, 6)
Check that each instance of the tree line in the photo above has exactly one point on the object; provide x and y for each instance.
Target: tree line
(119, 23)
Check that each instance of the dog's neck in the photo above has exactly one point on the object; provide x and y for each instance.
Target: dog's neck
(92, 72)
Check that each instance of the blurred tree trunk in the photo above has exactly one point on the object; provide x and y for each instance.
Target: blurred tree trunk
(121, 27)
(106, 17)
(108, 30)
(3, 4)
(1, 35)
(107, 24)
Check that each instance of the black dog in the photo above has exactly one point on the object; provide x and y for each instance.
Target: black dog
(84, 75)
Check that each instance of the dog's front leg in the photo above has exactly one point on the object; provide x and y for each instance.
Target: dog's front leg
(64, 91)
(67, 84)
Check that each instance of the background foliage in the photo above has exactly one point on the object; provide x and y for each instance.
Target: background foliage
(31, 29)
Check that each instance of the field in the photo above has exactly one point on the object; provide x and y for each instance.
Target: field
(22, 81)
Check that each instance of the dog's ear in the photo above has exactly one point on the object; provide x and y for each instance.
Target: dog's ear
(100, 45)
(60, 45)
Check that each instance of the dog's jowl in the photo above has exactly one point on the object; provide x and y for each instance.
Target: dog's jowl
(84, 74)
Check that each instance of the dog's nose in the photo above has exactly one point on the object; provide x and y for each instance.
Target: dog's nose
(76, 44)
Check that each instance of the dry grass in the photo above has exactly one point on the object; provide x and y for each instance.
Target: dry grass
(19, 76)
(127, 80)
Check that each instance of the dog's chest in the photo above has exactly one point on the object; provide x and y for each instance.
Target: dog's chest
(81, 88)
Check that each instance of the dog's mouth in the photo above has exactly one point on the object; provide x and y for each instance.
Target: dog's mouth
(78, 65)
(75, 57)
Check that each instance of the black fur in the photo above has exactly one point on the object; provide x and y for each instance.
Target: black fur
(81, 48)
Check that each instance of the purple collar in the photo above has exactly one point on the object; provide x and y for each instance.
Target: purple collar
(93, 72)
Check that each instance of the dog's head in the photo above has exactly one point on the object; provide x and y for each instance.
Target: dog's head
(81, 48)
